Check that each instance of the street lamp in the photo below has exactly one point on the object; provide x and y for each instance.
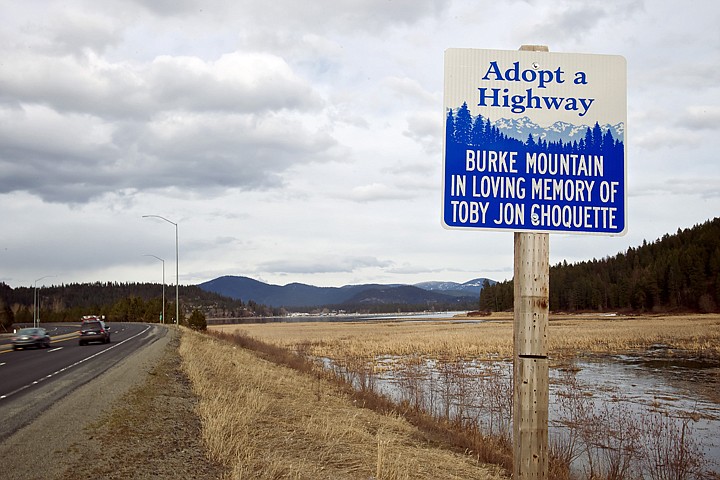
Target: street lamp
(36, 301)
(163, 289)
(177, 268)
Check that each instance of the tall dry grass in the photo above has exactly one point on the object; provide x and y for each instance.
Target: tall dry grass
(569, 336)
(435, 374)
(266, 421)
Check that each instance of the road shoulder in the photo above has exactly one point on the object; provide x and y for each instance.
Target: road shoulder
(130, 422)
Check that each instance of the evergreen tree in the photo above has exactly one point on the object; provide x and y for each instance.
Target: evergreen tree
(608, 143)
(679, 272)
(530, 142)
(450, 127)
(597, 137)
(6, 316)
(478, 131)
(588, 140)
(197, 320)
(463, 125)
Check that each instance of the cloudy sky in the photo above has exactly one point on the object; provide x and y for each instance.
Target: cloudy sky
(301, 141)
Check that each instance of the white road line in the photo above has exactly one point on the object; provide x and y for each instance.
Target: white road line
(3, 397)
(1, 364)
(55, 349)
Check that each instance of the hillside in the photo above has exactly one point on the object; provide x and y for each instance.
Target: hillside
(224, 297)
(118, 302)
(679, 272)
(298, 295)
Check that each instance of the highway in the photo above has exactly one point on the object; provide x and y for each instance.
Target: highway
(32, 380)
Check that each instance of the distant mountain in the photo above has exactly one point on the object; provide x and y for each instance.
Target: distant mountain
(293, 294)
(401, 294)
(469, 288)
(520, 128)
(302, 295)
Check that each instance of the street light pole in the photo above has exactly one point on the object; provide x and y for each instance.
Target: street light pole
(177, 268)
(36, 301)
(163, 277)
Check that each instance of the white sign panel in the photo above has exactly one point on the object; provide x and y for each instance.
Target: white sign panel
(535, 141)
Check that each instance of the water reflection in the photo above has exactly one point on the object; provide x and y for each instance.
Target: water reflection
(615, 412)
(683, 389)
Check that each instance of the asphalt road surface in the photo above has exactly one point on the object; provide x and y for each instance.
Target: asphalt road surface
(32, 380)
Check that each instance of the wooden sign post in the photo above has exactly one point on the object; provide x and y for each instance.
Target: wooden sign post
(530, 361)
(534, 144)
(530, 377)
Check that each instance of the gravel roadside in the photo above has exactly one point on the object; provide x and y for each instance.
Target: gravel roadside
(135, 421)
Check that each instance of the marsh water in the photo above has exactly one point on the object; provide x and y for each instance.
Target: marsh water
(686, 390)
(654, 400)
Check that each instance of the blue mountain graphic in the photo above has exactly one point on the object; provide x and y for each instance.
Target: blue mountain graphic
(519, 128)
(465, 130)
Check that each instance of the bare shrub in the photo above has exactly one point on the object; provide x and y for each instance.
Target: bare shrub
(670, 453)
(411, 380)
(621, 448)
(456, 391)
(463, 392)
(496, 390)
(614, 441)
(446, 379)
(357, 370)
(573, 410)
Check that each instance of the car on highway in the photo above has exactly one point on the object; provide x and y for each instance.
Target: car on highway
(30, 337)
(93, 329)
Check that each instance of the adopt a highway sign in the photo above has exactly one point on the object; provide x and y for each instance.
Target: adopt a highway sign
(535, 141)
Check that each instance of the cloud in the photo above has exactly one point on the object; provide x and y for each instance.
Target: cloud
(570, 21)
(700, 117)
(237, 122)
(573, 21)
(284, 135)
(82, 157)
(376, 192)
(79, 32)
(411, 89)
(410, 269)
(237, 82)
(705, 188)
(426, 129)
(174, 7)
(348, 16)
(660, 137)
(323, 264)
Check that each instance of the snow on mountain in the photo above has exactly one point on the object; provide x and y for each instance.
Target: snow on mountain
(471, 287)
(438, 286)
(520, 128)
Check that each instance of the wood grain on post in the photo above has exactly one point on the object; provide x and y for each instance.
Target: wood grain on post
(530, 371)
(530, 349)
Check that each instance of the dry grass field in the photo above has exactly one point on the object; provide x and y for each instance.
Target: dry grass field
(265, 421)
(569, 336)
(328, 438)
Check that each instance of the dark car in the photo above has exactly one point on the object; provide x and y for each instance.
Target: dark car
(30, 337)
(94, 331)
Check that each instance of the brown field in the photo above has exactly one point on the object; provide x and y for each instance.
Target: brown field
(568, 336)
(265, 421)
(250, 407)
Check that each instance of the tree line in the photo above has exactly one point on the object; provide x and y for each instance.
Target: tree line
(462, 130)
(679, 272)
(118, 302)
